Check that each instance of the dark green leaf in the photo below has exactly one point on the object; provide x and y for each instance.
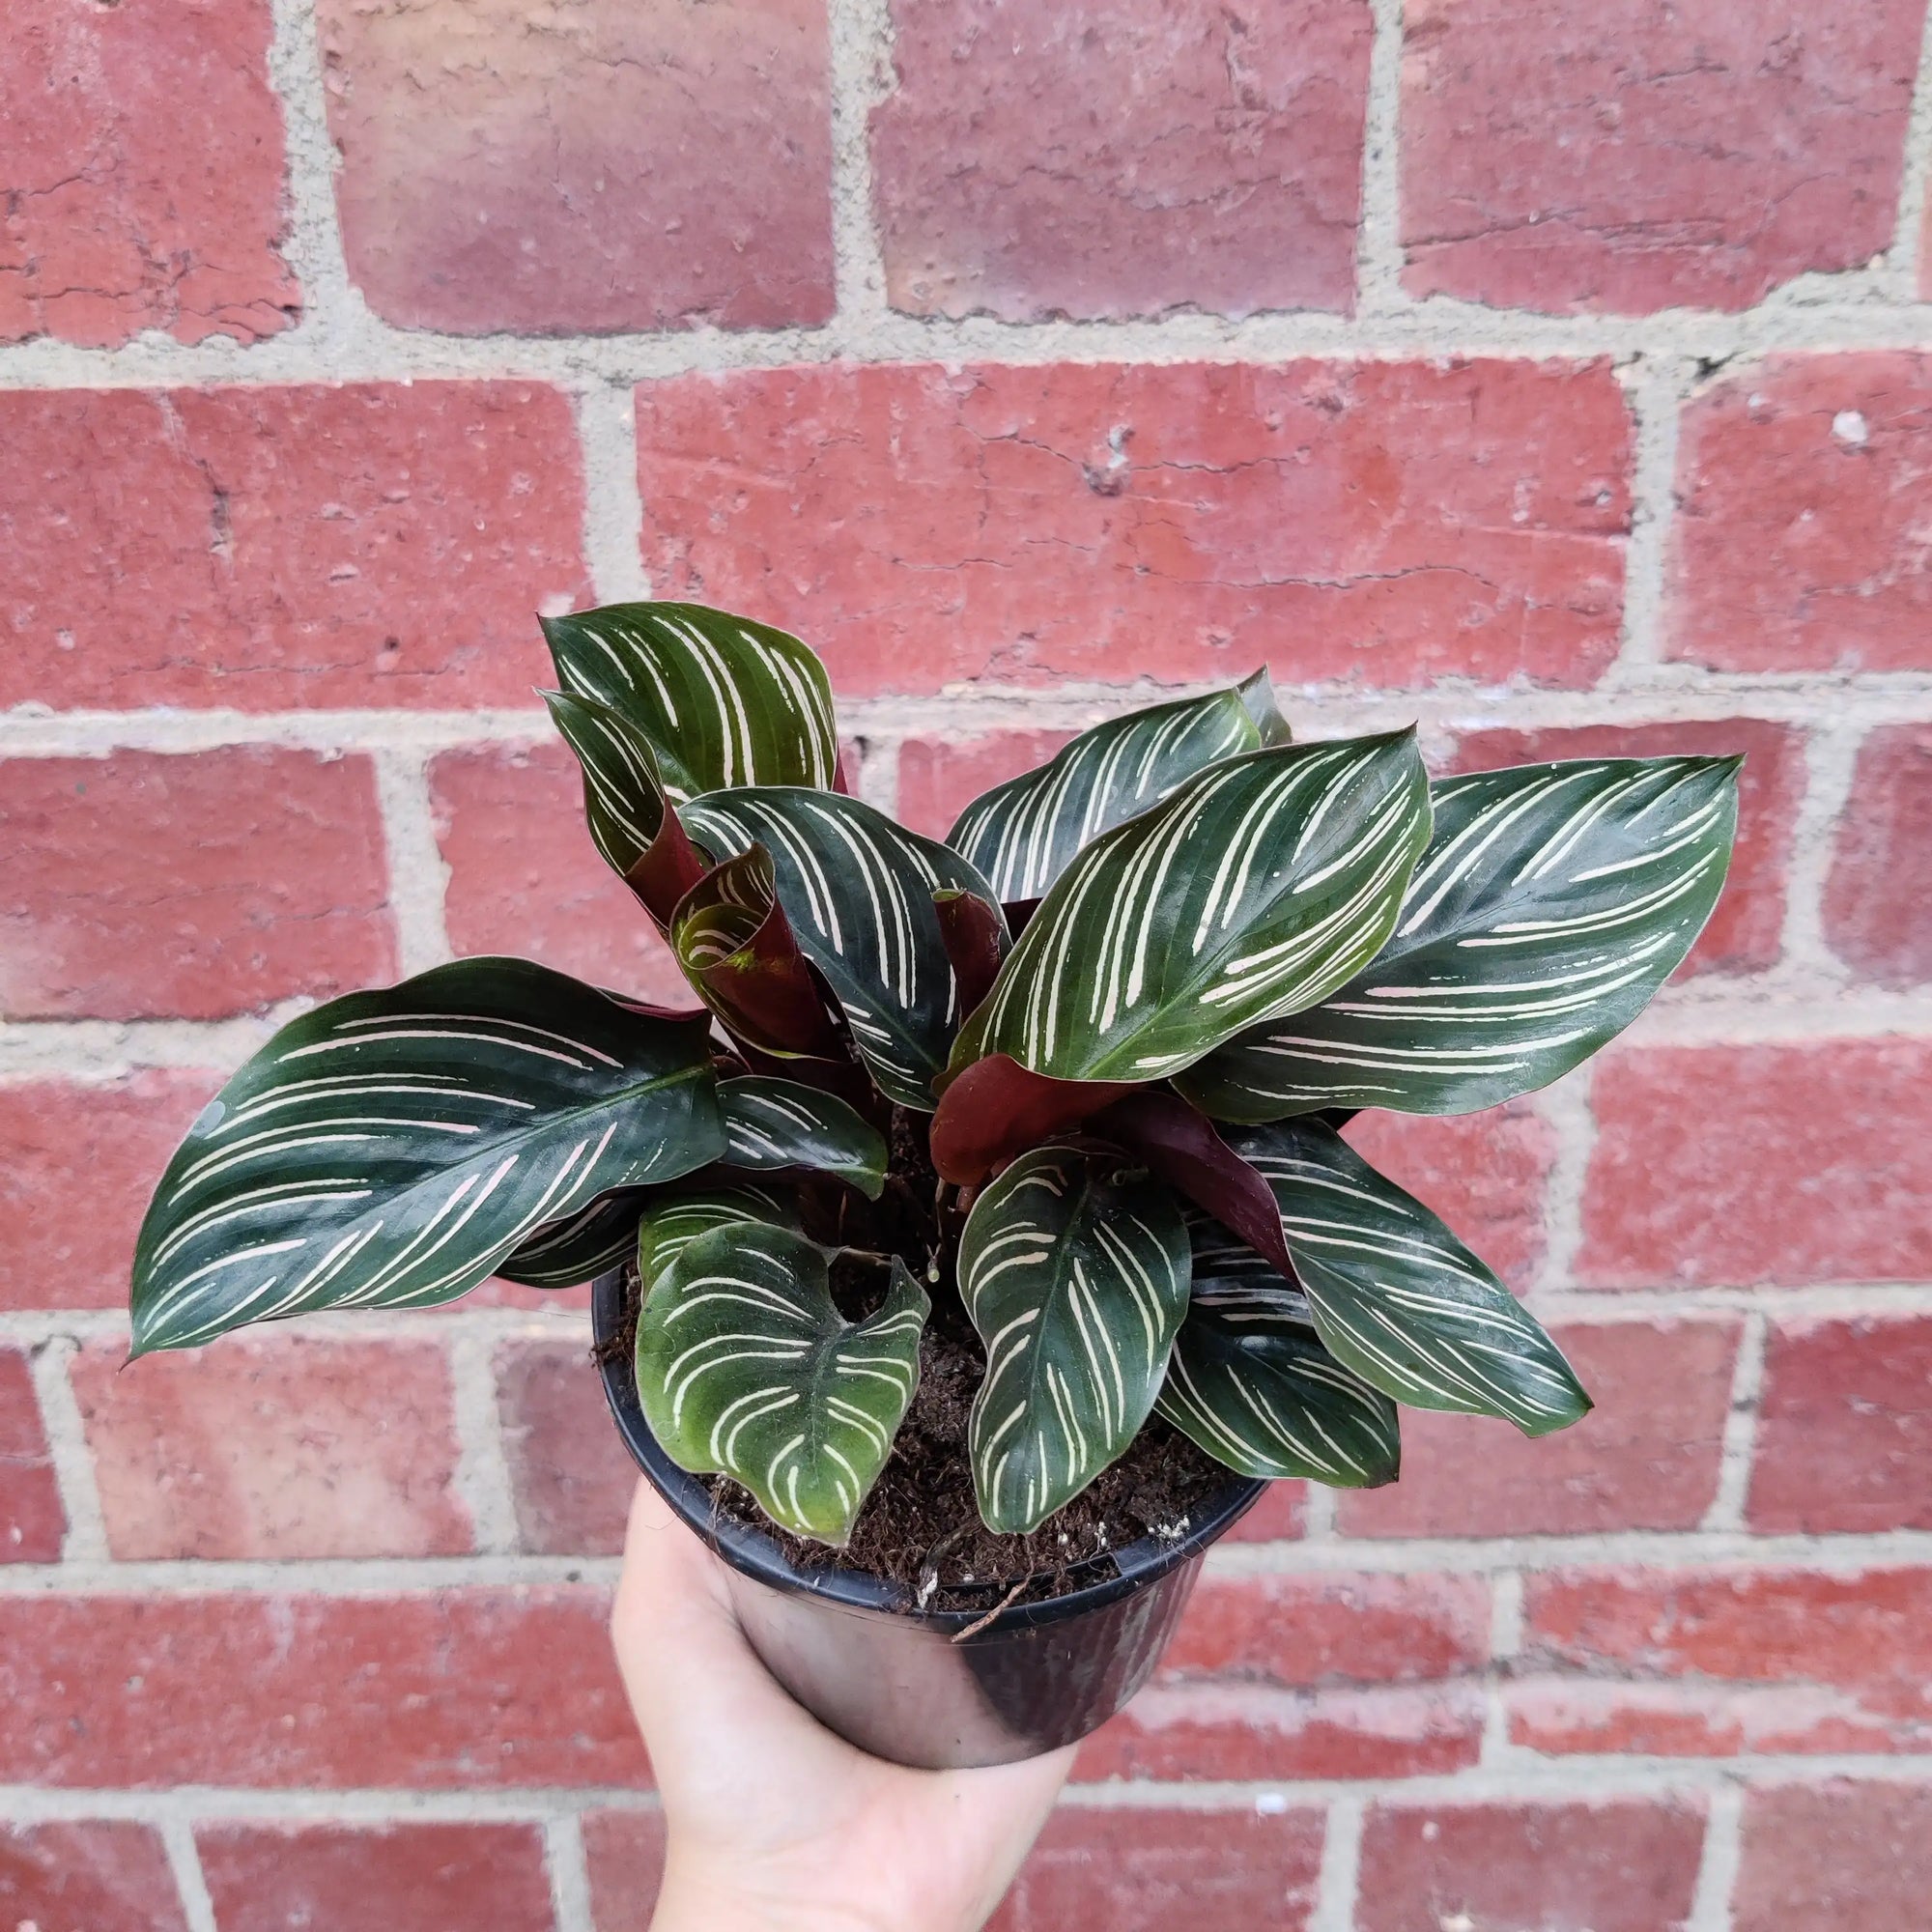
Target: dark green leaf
(579, 1249)
(773, 1124)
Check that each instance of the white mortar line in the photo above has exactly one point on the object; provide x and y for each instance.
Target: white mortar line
(569, 1873)
(1718, 1867)
(86, 1539)
(613, 512)
(1566, 1107)
(483, 1465)
(1656, 387)
(418, 878)
(1740, 1417)
(1830, 761)
(1506, 1627)
(1379, 263)
(184, 1862)
(1319, 1514)
(879, 773)
(1340, 1866)
(313, 248)
(862, 76)
(1908, 244)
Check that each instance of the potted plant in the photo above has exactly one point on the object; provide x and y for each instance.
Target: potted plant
(972, 1255)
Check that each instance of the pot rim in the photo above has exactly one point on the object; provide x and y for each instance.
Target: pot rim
(756, 1555)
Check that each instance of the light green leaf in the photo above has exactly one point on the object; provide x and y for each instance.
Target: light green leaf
(1397, 1298)
(1262, 885)
(678, 1215)
(856, 890)
(1552, 902)
(1074, 1269)
(746, 1367)
(773, 1125)
(721, 699)
(1024, 834)
(390, 1149)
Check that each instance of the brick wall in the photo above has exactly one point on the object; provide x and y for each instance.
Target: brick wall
(1558, 376)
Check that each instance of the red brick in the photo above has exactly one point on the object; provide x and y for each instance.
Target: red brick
(571, 1476)
(1771, 1163)
(93, 1877)
(1147, 1870)
(273, 1448)
(1485, 1174)
(269, 548)
(1881, 872)
(1121, 160)
(939, 778)
(636, 168)
(1563, 158)
(525, 879)
(1645, 1457)
(1745, 932)
(145, 885)
(625, 1852)
(437, 1690)
(1620, 1865)
(1277, 1517)
(1834, 1856)
(1844, 1434)
(142, 184)
(406, 1878)
(1714, 1662)
(1798, 538)
(33, 1523)
(1387, 522)
(112, 1139)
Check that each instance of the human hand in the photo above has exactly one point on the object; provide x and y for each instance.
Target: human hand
(774, 1822)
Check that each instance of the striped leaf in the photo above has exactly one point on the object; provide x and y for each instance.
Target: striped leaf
(676, 1217)
(1024, 834)
(1552, 902)
(390, 1149)
(562, 1254)
(1074, 1269)
(721, 700)
(746, 1367)
(1397, 1298)
(858, 891)
(633, 824)
(1260, 887)
(773, 1124)
(1252, 1384)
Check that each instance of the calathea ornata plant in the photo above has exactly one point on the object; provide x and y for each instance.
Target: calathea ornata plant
(1122, 1010)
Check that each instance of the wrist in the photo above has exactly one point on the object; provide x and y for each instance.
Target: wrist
(699, 1895)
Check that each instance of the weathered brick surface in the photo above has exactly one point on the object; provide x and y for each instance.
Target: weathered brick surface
(1645, 1457)
(1123, 161)
(1485, 1174)
(142, 182)
(939, 778)
(1278, 1516)
(1563, 158)
(1768, 1163)
(145, 885)
(32, 1519)
(107, 1142)
(100, 1876)
(1713, 1663)
(632, 166)
(1844, 1434)
(1798, 538)
(441, 1689)
(274, 1447)
(1745, 932)
(1386, 522)
(1882, 863)
(406, 1878)
(525, 879)
(570, 1475)
(1844, 1855)
(1622, 1865)
(372, 544)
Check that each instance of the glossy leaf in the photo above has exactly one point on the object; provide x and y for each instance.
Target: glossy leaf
(858, 891)
(746, 1367)
(996, 1109)
(1074, 1269)
(1024, 834)
(1252, 1384)
(1260, 886)
(1552, 902)
(676, 1217)
(721, 699)
(773, 1124)
(973, 933)
(1397, 1298)
(562, 1254)
(390, 1149)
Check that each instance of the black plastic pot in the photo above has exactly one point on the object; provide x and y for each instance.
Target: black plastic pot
(939, 1688)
